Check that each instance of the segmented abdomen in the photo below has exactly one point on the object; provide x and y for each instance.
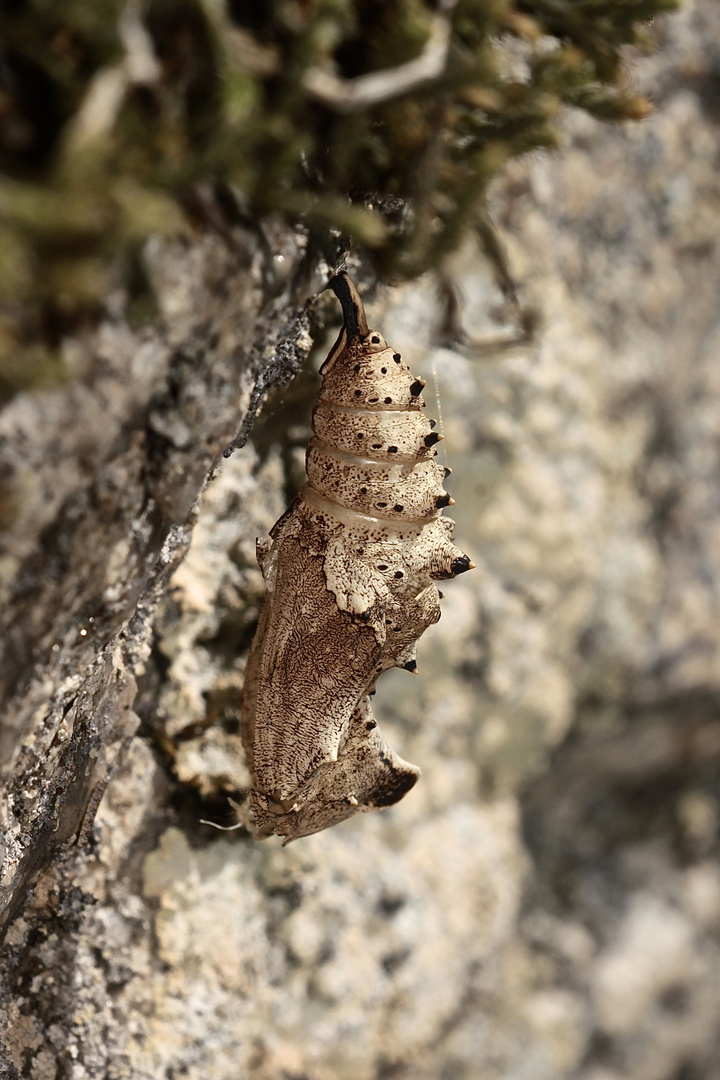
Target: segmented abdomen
(373, 446)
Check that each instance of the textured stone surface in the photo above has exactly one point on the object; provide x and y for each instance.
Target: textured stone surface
(545, 903)
(99, 482)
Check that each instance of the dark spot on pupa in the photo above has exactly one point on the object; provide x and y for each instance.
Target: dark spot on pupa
(392, 786)
(442, 500)
(357, 367)
(460, 565)
(372, 401)
(370, 725)
(388, 401)
(382, 566)
(411, 665)
(392, 449)
(383, 370)
(397, 357)
(376, 446)
(398, 574)
(365, 615)
(381, 505)
(360, 435)
(432, 438)
(432, 423)
(375, 339)
(358, 393)
(416, 388)
(399, 508)
(363, 491)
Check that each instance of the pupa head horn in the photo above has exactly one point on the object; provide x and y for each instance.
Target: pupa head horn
(353, 311)
(355, 322)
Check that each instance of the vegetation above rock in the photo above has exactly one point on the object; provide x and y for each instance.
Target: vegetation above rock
(385, 122)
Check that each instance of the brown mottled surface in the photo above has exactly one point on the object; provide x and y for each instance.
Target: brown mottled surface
(348, 595)
(545, 904)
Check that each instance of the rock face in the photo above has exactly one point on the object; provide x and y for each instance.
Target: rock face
(546, 902)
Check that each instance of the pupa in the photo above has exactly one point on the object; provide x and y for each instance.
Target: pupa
(350, 571)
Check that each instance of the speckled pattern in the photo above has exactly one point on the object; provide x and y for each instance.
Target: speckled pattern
(545, 903)
(350, 578)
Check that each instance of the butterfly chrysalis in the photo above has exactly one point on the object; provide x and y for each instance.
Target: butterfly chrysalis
(350, 570)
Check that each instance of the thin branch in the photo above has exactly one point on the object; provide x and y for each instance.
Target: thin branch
(108, 88)
(351, 95)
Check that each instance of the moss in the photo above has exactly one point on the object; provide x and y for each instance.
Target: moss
(111, 115)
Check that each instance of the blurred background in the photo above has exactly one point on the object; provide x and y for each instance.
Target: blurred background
(545, 904)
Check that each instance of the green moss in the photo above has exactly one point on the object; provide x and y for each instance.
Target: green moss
(107, 125)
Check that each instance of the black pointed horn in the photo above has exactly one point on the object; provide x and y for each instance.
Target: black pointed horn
(353, 311)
